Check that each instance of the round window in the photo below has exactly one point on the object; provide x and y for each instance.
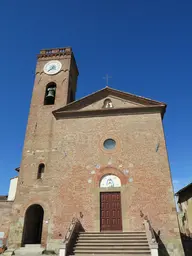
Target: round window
(109, 144)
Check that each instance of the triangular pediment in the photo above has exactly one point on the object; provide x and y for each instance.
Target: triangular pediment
(109, 100)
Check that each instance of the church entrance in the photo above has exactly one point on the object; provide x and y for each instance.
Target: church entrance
(110, 211)
(33, 225)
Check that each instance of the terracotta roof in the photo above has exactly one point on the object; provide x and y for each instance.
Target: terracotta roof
(183, 189)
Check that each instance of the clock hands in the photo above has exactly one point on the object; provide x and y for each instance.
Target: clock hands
(52, 67)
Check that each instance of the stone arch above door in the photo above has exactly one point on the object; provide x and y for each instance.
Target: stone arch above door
(109, 171)
(110, 180)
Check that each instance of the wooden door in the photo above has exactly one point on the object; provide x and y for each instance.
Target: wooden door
(110, 211)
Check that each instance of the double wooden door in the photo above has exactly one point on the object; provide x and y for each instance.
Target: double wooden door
(110, 211)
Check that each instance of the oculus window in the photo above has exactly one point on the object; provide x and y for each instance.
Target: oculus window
(109, 144)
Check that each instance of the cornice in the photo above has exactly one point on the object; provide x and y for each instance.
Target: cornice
(47, 53)
(110, 112)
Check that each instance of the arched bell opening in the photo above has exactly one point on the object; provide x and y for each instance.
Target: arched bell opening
(50, 94)
(107, 103)
(33, 225)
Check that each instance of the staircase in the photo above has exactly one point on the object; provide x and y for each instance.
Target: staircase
(112, 243)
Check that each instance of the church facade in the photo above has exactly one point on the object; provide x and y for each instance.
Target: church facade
(101, 159)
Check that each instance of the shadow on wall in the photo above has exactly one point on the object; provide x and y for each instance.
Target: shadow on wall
(162, 249)
(187, 244)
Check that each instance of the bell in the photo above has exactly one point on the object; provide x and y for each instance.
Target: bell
(51, 93)
(108, 104)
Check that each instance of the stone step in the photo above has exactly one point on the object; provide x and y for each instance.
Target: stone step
(113, 247)
(112, 239)
(32, 245)
(8, 252)
(112, 251)
(27, 253)
(112, 234)
(118, 247)
(105, 254)
(104, 243)
(32, 254)
(30, 250)
(114, 254)
(112, 243)
(115, 232)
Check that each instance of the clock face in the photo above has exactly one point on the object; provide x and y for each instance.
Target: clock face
(52, 67)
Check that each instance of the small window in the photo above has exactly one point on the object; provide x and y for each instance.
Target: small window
(50, 94)
(41, 170)
(109, 144)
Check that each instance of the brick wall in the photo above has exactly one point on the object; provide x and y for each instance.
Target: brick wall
(71, 149)
(5, 218)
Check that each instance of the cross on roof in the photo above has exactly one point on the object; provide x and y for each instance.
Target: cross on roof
(107, 77)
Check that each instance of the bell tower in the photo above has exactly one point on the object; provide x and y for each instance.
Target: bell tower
(54, 87)
(55, 77)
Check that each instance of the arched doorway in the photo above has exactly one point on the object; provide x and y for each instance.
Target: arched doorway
(110, 204)
(33, 225)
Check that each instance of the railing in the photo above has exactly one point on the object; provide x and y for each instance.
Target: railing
(150, 235)
(70, 237)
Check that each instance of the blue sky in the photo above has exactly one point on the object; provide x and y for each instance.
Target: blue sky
(146, 46)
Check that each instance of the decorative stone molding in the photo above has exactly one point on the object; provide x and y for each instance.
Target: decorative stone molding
(109, 170)
(54, 52)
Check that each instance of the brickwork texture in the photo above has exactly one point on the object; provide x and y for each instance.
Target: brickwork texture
(75, 161)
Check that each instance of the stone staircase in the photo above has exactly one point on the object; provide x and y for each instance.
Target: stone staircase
(29, 250)
(112, 243)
